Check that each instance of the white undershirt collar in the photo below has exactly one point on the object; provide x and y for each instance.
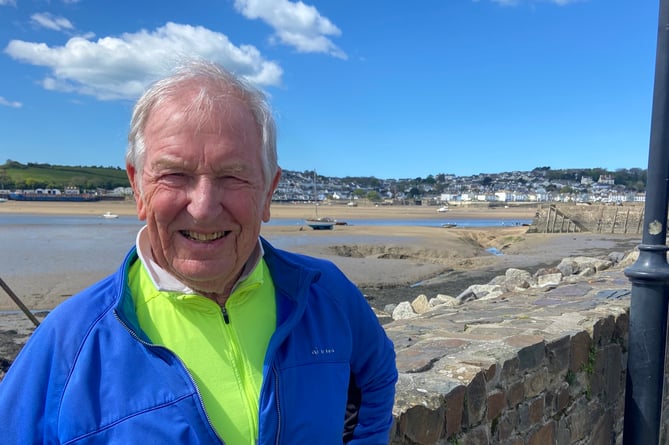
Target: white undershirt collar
(164, 281)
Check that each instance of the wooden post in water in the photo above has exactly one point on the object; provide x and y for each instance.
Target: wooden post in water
(548, 218)
(18, 302)
(615, 219)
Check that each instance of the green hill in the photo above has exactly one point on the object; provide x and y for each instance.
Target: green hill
(14, 175)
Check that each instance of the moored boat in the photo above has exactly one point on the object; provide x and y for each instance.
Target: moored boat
(324, 223)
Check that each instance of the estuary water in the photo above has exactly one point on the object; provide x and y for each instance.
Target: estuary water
(53, 256)
(58, 244)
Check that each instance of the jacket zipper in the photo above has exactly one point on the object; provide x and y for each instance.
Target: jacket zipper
(192, 380)
(278, 403)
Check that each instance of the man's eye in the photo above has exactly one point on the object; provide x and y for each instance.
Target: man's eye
(173, 177)
(232, 181)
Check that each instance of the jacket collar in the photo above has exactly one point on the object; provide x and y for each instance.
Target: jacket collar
(292, 280)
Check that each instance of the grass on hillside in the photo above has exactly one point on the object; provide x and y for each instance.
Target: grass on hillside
(14, 175)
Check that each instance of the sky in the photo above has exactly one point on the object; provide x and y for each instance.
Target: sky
(384, 88)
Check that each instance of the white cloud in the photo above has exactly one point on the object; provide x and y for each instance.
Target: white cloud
(49, 21)
(7, 2)
(121, 67)
(9, 103)
(295, 24)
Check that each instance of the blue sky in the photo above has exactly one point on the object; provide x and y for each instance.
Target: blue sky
(385, 88)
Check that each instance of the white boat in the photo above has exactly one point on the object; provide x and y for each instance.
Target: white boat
(109, 215)
(324, 223)
(316, 222)
(3, 199)
(442, 209)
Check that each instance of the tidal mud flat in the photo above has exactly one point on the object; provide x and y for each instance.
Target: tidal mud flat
(389, 264)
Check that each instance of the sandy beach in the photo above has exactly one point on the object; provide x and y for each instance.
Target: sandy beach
(389, 263)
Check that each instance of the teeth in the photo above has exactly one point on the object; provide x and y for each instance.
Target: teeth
(197, 236)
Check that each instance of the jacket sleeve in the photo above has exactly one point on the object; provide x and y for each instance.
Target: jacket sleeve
(375, 375)
(29, 393)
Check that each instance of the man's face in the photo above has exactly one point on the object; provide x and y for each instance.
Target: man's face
(203, 192)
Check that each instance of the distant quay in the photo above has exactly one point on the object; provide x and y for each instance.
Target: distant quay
(48, 197)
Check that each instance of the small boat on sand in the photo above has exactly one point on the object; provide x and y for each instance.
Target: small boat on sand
(323, 223)
(319, 222)
(109, 215)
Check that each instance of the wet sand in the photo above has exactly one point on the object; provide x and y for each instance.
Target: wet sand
(389, 263)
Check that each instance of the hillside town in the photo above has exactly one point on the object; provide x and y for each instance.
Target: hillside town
(539, 185)
(533, 186)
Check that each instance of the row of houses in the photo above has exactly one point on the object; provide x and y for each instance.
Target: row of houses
(506, 187)
(502, 187)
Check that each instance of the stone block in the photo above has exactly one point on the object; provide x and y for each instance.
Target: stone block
(603, 430)
(536, 382)
(404, 311)
(563, 434)
(621, 332)
(536, 410)
(563, 398)
(578, 422)
(443, 300)
(422, 355)
(580, 351)
(517, 280)
(567, 267)
(608, 377)
(532, 350)
(420, 305)
(550, 398)
(421, 425)
(505, 426)
(558, 355)
(510, 369)
(602, 333)
(515, 394)
(544, 435)
(475, 400)
(496, 403)
(454, 402)
(549, 280)
(477, 436)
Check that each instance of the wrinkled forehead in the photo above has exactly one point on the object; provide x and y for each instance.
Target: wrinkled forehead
(199, 104)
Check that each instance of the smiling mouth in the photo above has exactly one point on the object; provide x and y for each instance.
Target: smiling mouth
(203, 237)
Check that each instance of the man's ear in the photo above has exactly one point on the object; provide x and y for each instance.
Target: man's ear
(270, 192)
(132, 177)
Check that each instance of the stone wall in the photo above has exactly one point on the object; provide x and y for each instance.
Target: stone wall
(596, 218)
(538, 365)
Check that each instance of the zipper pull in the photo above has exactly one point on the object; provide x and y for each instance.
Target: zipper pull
(226, 317)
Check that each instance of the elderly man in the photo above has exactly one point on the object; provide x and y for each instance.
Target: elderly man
(206, 333)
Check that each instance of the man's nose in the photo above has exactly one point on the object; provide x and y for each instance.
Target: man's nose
(205, 198)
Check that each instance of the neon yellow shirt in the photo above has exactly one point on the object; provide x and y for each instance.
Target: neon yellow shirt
(224, 352)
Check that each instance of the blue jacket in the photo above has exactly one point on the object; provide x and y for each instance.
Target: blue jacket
(89, 375)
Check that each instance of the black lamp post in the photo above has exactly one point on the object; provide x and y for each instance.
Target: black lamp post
(649, 275)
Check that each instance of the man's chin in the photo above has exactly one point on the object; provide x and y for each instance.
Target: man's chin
(203, 281)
